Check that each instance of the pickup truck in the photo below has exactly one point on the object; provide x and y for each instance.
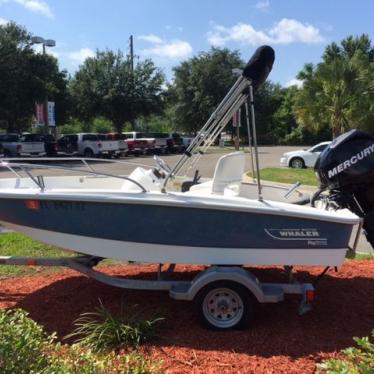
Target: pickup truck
(137, 143)
(121, 139)
(17, 146)
(160, 141)
(88, 145)
(174, 143)
(187, 140)
(50, 144)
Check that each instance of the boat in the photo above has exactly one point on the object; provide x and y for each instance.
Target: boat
(140, 217)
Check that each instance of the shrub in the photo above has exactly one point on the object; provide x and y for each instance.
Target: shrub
(79, 360)
(22, 342)
(356, 360)
(26, 349)
(102, 125)
(101, 331)
(72, 127)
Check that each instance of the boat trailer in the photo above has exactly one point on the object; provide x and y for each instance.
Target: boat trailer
(225, 295)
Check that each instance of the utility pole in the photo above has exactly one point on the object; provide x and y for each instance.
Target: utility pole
(132, 71)
(45, 43)
(132, 55)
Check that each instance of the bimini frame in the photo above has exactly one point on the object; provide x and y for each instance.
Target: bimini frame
(252, 77)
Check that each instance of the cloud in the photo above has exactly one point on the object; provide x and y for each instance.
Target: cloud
(151, 38)
(263, 5)
(286, 31)
(295, 82)
(290, 31)
(3, 21)
(175, 49)
(78, 57)
(37, 6)
(241, 33)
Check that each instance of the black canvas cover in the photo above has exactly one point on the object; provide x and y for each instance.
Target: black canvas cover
(259, 66)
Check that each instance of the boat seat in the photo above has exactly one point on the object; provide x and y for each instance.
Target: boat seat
(229, 169)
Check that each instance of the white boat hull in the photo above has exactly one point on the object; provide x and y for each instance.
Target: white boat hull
(156, 253)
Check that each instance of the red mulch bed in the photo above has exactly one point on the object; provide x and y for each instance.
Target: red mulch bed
(279, 341)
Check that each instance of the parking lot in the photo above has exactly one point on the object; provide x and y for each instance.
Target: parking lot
(269, 157)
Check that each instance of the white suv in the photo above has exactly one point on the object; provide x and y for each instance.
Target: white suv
(304, 157)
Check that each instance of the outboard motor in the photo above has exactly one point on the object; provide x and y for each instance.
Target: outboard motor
(346, 170)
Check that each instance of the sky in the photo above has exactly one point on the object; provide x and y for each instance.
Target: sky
(171, 31)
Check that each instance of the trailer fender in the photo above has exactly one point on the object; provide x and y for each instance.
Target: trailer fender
(219, 273)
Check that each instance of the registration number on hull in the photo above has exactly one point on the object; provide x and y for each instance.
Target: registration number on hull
(57, 205)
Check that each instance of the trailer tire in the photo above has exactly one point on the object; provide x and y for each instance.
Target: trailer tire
(225, 305)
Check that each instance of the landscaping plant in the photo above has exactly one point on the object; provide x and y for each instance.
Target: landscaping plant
(25, 348)
(102, 331)
(355, 360)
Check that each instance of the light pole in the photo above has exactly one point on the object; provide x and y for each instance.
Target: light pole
(45, 43)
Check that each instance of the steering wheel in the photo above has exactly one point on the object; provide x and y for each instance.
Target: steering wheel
(162, 164)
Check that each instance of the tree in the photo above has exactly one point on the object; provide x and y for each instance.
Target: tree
(106, 86)
(283, 117)
(268, 100)
(200, 84)
(339, 91)
(26, 77)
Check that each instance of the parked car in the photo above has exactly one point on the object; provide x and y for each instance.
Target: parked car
(50, 144)
(160, 141)
(1, 150)
(137, 143)
(174, 143)
(17, 146)
(304, 157)
(87, 145)
(186, 140)
(121, 139)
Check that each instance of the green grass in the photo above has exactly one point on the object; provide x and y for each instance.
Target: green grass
(290, 176)
(15, 244)
(359, 256)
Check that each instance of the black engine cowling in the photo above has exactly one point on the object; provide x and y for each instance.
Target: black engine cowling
(346, 169)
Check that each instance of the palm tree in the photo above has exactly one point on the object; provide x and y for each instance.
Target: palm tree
(339, 91)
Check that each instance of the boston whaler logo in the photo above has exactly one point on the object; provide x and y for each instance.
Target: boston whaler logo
(311, 235)
(353, 160)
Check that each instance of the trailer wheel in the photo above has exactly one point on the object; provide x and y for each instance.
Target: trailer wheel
(225, 305)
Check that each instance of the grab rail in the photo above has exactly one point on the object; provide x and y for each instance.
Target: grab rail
(39, 181)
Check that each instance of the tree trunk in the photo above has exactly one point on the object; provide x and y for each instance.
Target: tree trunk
(335, 131)
(337, 125)
(118, 126)
(10, 126)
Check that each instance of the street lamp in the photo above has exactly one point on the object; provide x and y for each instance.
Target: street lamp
(45, 43)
